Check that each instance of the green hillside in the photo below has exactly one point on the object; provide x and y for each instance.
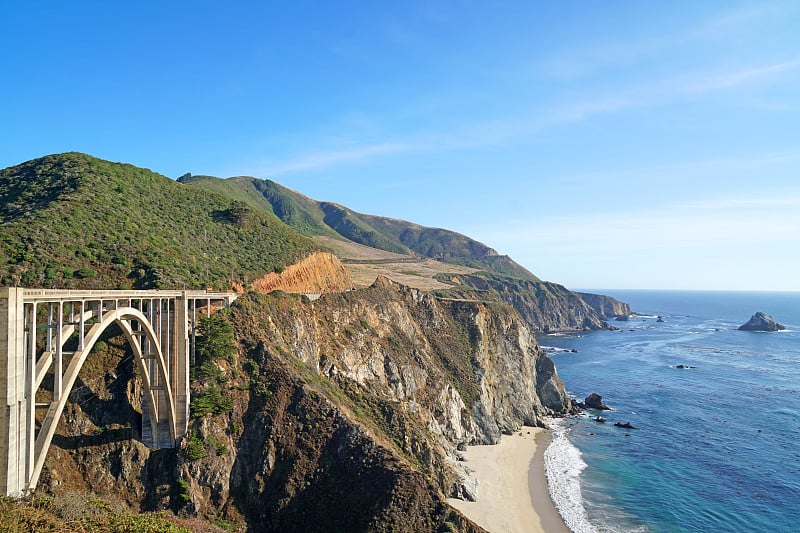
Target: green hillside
(71, 220)
(315, 218)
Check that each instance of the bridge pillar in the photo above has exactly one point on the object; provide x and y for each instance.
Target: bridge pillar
(180, 366)
(13, 412)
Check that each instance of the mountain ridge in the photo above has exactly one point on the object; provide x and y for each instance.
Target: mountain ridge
(312, 217)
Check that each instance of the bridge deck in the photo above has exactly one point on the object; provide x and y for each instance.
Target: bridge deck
(67, 294)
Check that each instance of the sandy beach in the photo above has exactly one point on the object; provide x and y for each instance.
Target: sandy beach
(512, 496)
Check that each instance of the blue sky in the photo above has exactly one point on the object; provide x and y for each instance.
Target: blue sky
(625, 144)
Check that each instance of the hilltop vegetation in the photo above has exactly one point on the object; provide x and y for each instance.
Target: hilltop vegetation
(315, 218)
(72, 220)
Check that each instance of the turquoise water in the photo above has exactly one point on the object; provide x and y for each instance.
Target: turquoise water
(718, 447)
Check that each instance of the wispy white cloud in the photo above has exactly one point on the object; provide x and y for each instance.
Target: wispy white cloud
(729, 24)
(724, 80)
(723, 28)
(511, 129)
(533, 119)
(718, 204)
(330, 157)
(662, 91)
(658, 231)
(754, 168)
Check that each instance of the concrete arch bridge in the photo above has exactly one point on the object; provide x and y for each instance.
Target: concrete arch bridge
(44, 331)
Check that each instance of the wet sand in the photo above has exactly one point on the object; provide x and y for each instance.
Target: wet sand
(512, 495)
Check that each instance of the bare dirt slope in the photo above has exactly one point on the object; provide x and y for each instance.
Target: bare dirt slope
(317, 273)
(365, 264)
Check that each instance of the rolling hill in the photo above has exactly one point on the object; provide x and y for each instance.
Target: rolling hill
(316, 218)
(72, 220)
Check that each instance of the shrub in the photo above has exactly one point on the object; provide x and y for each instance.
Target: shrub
(210, 401)
(195, 448)
(214, 340)
(84, 273)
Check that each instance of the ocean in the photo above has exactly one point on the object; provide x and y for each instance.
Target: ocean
(717, 447)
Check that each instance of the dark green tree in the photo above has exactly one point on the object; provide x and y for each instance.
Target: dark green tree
(214, 341)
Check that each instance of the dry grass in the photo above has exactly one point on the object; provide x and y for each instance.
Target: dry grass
(365, 264)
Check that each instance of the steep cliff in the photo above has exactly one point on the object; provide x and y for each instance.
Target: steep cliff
(605, 306)
(546, 307)
(319, 272)
(355, 403)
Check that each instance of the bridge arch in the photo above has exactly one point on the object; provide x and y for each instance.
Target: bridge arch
(136, 327)
(159, 327)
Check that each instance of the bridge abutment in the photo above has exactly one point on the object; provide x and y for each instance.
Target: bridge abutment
(13, 411)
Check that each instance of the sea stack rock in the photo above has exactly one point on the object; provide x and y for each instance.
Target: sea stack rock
(761, 322)
(595, 401)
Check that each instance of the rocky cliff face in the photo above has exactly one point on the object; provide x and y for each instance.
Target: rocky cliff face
(319, 272)
(605, 306)
(546, 307)
(346, 415)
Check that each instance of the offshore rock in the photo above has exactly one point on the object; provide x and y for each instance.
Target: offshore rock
(595, 401)
(761, 322)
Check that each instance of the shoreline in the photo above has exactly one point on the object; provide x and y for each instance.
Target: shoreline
(543, 505)
(513, 495)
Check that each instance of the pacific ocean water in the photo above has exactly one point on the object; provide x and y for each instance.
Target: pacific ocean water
(717, 447)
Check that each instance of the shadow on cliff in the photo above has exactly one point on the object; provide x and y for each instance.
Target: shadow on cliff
(302, 465)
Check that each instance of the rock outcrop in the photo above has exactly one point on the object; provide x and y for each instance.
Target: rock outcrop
(546, 307)
(761, 322)
(605, 306)
(595, 401)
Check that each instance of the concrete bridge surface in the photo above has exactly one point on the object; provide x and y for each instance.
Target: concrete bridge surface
(51, 331)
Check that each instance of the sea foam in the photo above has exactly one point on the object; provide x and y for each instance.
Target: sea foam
(563, 466)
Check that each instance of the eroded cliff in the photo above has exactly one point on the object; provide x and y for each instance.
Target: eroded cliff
(319, 272)
(345, 414)
(546, 307)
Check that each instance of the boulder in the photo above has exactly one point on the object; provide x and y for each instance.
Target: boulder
(626, 425)
(467, 488)
(595, 401)
(761, 322)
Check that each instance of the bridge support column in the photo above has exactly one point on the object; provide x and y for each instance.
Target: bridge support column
(180, 365)
(13, 408)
